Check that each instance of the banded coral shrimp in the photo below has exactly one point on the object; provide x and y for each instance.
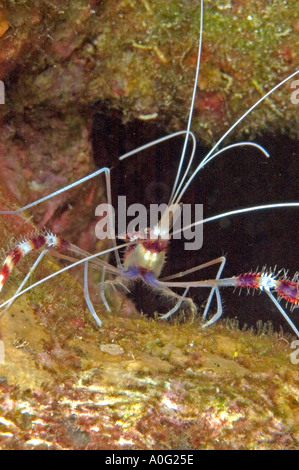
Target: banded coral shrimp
(262, 280)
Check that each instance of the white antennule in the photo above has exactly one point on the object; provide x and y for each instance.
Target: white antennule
(279, 205)
(178, 195)
(168, 220)
(174, 189)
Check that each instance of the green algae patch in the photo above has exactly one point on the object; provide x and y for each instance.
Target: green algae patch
(169, 386)
(139, 57)
(136, 382)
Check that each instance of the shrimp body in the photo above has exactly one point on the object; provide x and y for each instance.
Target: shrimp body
(46, 240)
(146, 258)
(145, 251)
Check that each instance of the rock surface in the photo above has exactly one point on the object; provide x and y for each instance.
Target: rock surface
(136, 383)
(61, 62)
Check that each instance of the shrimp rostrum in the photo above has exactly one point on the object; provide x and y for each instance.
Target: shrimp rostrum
(145, 247)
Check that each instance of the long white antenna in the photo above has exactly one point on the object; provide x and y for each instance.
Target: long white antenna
(177, 197)
(278, 205)
(190, 112)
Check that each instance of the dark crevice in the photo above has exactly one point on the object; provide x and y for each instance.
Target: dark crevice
(238, 179)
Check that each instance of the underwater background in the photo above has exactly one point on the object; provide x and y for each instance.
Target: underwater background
(86, 81)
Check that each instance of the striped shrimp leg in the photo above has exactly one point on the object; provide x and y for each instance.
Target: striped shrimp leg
(285, 288)
(46, 241)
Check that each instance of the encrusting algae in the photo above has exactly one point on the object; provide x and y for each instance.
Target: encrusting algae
(61, 61)
(169, 386)
(138, 383)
